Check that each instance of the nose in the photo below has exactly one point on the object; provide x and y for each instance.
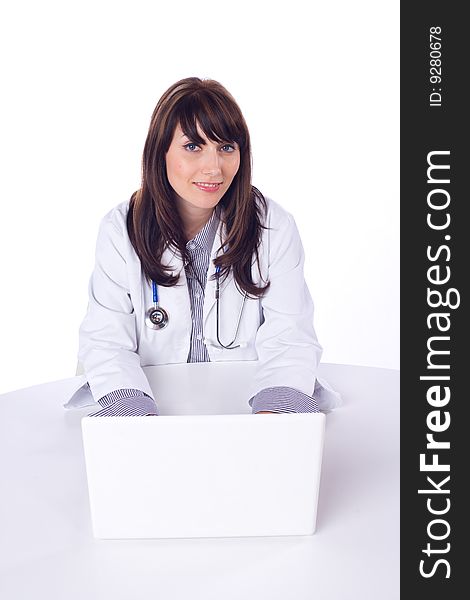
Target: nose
(211, 162)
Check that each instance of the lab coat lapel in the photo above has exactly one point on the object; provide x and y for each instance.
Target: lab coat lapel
(179, 294)
(209, 295)
(172, 260)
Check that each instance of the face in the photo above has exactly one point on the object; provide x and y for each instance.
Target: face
(201, 174)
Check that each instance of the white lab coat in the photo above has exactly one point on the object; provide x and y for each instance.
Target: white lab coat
(276, 330)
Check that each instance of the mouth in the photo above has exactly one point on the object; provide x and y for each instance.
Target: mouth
(207, 187)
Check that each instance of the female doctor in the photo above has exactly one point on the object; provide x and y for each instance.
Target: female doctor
(199, 266)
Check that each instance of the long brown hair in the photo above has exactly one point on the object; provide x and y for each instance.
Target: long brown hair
(153, 222)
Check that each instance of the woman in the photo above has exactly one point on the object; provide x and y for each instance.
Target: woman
(199, 266)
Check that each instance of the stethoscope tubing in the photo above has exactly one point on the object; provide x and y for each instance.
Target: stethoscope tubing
(229, 346)
(157, 318)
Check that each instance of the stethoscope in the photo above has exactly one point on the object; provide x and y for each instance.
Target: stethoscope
(157, 317)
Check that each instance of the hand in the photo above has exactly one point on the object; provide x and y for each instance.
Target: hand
(265, 412)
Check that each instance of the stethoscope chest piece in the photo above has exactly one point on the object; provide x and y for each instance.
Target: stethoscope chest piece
(156, 318)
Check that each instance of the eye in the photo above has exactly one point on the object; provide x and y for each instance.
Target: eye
(228, 148)
(191, 147)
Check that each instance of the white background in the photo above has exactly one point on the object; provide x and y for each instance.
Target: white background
(318, 85)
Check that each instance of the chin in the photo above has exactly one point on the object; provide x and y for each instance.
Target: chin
(205, 202)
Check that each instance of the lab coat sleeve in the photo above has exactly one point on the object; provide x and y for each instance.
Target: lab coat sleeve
(107, 336)
(286, 343)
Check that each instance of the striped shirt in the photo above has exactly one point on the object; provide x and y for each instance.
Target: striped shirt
(130, 402)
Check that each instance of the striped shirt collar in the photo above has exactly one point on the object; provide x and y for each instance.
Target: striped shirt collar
(204, 240)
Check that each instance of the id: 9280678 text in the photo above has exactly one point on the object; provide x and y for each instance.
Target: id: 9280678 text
(435, 66)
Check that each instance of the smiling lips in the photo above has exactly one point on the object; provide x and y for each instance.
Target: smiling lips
(207, 187)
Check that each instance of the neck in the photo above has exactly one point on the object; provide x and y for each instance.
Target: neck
(194, 218)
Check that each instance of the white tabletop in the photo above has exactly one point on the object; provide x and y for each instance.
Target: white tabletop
(47, 549)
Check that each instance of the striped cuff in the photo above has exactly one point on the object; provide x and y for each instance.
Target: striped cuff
(126, 403)
(283, 400)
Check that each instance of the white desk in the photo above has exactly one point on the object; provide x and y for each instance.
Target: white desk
(47, 549)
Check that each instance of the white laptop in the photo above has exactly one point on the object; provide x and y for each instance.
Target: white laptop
(205, 467)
